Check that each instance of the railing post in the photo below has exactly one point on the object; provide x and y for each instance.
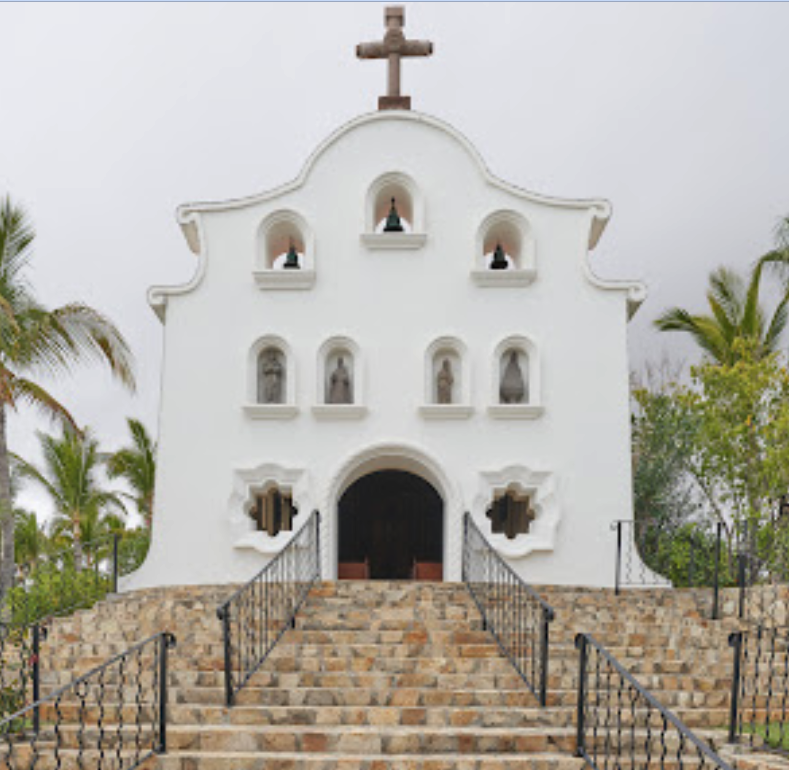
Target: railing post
(36, 675)
(618, 578)
(741, 581)
(692, 561)
(547, 617)
(166, 641)
(581, 644)
(318, 545)
(735, 641)
(115, 539)
(224, 616)
(464, 555)
(716, 578)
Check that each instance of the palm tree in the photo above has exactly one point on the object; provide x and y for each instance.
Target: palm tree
(84, 512)
(30, 537)
(777, 260)
(35, 340)
(736, 314)
(136, 464)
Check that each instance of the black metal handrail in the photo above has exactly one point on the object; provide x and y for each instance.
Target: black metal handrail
(20, 667)
(115, 716)
(620, 724)
(644, 558)
(258, 614)
(517, 616)
(760, 688)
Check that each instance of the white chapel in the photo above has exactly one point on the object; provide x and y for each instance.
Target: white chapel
(394, 339)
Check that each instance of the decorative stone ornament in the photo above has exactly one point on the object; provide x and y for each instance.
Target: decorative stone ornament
(513, 387)
(444, 382)
(393, 48)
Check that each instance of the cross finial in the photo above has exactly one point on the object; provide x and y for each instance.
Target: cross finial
(393, 48)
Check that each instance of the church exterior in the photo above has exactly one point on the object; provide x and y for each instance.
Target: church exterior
(394, 339)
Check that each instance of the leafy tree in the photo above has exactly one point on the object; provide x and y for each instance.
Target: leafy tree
(736, 313)
(136, 464)
(35, 340)
(740, 460)
(84, 511)
(662, 441)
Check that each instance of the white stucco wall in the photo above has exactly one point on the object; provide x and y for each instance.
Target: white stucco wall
(393, 304)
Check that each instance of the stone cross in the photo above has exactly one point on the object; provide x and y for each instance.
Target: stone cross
(393, 48)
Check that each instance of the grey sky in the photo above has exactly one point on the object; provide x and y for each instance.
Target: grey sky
(113, 114)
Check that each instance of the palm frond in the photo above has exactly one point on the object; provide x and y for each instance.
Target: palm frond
(34, 395)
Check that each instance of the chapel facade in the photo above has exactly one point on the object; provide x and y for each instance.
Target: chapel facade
(393, 339)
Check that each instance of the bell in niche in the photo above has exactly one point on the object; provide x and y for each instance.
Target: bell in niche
(499, 259)
(393, 224)
(292, 259)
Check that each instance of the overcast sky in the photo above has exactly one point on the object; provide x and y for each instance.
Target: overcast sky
(111, 115)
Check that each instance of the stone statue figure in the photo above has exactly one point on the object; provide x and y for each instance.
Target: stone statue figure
(512, 389)
(444, 382)
(340, 385)
(271, 379)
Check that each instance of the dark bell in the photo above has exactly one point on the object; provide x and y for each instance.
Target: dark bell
(499, 259)
(292, 259)
(393, 224)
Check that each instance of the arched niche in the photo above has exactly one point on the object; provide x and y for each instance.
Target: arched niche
(270, 359)
(447, 363)
(515, 379)
(409, 203)
(281, 234)
(340, 376)
(504, 238)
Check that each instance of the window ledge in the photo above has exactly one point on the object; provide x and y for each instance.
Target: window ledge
(394, 241)
(498, 278)
(270, 411)
(339, 411)
(515, 411)
(284, 279)
(446, 411)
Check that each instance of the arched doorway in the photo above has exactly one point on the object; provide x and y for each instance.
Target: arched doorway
(392, 522)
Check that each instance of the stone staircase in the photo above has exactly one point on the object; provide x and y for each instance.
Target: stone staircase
(391, 675)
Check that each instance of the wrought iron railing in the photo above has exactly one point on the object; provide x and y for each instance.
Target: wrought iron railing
(693, 556)
(763, 575)
(622, 726)
(112, 718)
(20, 667)
(71, 579)
(258, 614)
(760, 688)
(517, 616)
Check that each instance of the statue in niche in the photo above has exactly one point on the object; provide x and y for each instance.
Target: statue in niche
(444, 382)
(512, 389)
(340, 384)
(271, 378)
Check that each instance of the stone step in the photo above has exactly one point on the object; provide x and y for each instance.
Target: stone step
(190, 760)
(344, 740)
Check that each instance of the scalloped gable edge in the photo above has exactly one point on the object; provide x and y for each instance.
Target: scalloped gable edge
(186, 213)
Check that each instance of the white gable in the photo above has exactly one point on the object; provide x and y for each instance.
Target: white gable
(395, 307)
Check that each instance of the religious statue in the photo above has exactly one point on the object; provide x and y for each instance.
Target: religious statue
(444, 382)
(340, 384)
(513, 387)
(271, 378)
